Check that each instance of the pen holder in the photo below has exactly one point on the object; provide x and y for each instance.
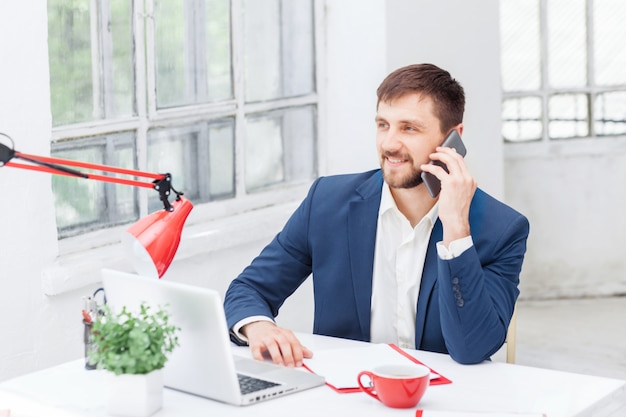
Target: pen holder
(88, 338)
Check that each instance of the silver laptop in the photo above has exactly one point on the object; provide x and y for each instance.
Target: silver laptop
(203, 364)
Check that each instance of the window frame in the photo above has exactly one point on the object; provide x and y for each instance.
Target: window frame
(545, 92)
(148, 116)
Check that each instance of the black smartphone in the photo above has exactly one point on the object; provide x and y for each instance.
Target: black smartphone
(432, 183)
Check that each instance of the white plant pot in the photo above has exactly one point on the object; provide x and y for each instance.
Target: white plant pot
(135, 395)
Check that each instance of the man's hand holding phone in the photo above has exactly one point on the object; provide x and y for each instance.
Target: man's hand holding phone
(433, 184)
(456, 185)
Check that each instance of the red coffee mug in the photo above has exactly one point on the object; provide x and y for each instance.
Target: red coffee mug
(397, 386)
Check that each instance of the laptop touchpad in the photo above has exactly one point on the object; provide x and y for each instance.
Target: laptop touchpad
(251, 366)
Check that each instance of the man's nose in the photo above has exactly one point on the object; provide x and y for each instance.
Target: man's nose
(391, 141)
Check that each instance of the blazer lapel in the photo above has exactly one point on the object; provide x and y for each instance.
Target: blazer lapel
(362, 222)
(429, 278)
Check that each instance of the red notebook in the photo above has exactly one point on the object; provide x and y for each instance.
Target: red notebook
(340, 367)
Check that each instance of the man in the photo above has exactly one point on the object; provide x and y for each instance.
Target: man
(390, 263)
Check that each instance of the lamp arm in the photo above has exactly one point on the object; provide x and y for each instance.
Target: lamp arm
(161, 182)
(56, 163)
(52, 168)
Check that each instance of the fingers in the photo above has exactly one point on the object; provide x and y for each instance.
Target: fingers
(282, 346)
(457, 174)
(457, 190)
(453, 161)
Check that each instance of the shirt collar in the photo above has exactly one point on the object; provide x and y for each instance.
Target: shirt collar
(388, 203)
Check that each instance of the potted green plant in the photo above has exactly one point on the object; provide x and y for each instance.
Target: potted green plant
(133, 347)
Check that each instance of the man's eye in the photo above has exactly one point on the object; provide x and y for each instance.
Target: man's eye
(382, 125)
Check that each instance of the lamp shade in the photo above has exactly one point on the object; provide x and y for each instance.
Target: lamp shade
(152, 241)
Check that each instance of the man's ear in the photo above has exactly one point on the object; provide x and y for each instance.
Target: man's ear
(459, 128)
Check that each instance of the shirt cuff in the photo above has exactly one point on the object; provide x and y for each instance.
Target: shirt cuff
(236, 330)
(456, 249)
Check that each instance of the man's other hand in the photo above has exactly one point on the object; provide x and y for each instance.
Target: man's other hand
(281, 344)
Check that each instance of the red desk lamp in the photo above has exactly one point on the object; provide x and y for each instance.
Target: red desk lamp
(153, 240)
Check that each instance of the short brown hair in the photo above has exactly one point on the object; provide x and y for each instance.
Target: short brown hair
(430, 81)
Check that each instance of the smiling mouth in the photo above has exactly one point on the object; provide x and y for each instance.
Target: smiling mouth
(396, 159)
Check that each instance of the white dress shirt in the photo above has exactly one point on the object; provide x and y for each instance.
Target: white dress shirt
(398, 264)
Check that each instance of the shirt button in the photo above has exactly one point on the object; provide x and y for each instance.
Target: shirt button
(460, 302)
(455, 280)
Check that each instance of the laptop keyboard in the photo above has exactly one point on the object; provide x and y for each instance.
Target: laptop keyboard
(250, 384)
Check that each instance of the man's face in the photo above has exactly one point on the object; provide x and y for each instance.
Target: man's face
(407, 132)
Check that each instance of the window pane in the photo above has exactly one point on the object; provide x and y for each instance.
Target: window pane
(221, 169)
(299, 135)
(280, 147)
(200, 157)
(610, 113)
(172, 83)
(172, 151)
(79, 201)
(125, 197)
(278, 48)
(192, 51)
(81, 89)
(567, 47)
(69, 48)
(297, 41)
(522, 119)
(609, 38)
(83, 204)
(219, 80)
(264, 152)
(568, 116)
(520, 47)
(119, 74)
(262, 49)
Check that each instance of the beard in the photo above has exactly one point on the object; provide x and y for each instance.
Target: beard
(397, 180)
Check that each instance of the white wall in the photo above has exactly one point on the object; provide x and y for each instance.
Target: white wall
(574, 195)
(355, 66)
(390, 34)
(462, 37)
(34, 328)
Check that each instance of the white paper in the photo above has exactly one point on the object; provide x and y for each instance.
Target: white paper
(437, 413)
(341, 367)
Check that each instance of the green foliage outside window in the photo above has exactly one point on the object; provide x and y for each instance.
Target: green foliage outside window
(69, 48)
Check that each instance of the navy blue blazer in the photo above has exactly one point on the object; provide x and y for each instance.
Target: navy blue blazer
(464, 305)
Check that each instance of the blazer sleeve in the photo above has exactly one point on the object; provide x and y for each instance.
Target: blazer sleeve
(478, 290)
(275, 273)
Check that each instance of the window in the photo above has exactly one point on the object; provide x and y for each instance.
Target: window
(219, 93)
(563, 69)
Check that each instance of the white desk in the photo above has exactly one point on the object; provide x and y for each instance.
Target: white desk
(70, 390)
